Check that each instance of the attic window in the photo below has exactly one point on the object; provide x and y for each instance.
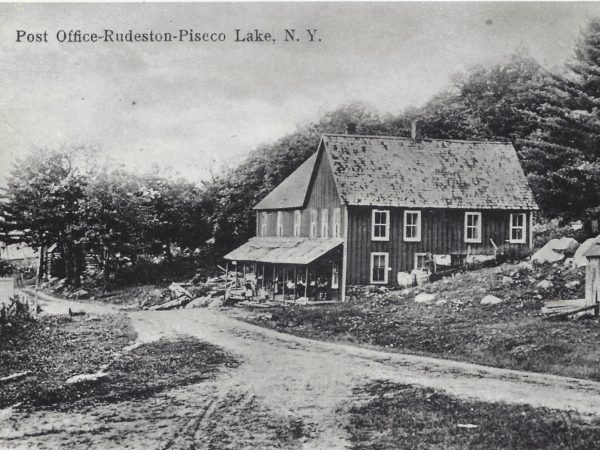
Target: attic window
(517, 229)
(297, 222)
(279, 223)
(324, 222)
(412, 226)
(380, 225)
(473, 227)
(336, 222)
(313, 223)
(264, 222)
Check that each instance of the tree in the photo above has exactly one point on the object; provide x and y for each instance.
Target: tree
(112, 215)
(173, 214)
(43, 197)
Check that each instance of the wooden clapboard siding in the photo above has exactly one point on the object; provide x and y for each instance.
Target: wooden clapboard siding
(442, 232)
(322, 194)
(322, 191)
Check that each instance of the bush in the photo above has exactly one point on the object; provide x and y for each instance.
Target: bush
(16, 312)
(145, 271)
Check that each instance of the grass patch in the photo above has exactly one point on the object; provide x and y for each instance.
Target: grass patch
(142, 373)
(57, 348)
(395, 416)
(509, 335)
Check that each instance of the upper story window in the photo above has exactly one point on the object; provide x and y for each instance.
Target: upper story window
(297, 222)
(336, 223)
(264, 223)
(313, 223)
(279, 223)
(473, 227)
(412, 226)
(324, 222)
(517, 229)
(380, 228)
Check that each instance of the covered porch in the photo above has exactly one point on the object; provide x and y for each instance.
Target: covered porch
(286, 269)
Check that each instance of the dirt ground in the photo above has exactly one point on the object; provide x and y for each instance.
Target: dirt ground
(282, 381)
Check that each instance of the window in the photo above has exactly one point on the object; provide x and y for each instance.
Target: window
(335, 276)
(297, 222)
(420, 261)
(412, 226)
(379, 268)
(279, 223)
(264, 223)
(336, 222)
(380, 228)
(324, 222)
(473, 227)
(517, 229)
(313, 223)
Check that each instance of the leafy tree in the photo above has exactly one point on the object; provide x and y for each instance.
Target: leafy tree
(173, 214)
(43, 195)
(111, 217)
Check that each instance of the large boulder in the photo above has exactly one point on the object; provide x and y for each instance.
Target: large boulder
(579, 259)
(566, 245)
(555, 250)
(491, 300)
(199, 302)
(424, 297)
(405, 279)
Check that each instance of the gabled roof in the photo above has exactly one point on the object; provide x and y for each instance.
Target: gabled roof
(291, 192)
(402, 172)
(430, 173)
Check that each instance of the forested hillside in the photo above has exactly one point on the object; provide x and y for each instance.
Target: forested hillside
(552, 119)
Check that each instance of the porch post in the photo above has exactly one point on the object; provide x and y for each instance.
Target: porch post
(284, 280)
(226, 278)
(274, 283)
(344, 254)
(295, 280)
(236, 270)
(306, 284)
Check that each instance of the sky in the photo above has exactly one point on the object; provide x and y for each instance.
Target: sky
(193, 108)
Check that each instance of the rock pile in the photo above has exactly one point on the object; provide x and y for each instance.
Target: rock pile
(555, 250)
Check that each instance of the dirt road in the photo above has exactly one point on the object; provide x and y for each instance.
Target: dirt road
(283, 379)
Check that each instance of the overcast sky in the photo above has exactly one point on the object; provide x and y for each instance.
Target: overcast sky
(196, 106)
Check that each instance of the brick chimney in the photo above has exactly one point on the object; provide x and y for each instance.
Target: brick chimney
(350, 128)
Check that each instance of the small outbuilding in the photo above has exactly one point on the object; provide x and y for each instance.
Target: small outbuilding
(592, 277)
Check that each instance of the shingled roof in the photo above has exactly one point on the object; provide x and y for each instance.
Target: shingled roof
(290, 193)
(429, 173)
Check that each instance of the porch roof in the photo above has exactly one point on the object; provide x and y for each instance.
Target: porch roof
(283, 250)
